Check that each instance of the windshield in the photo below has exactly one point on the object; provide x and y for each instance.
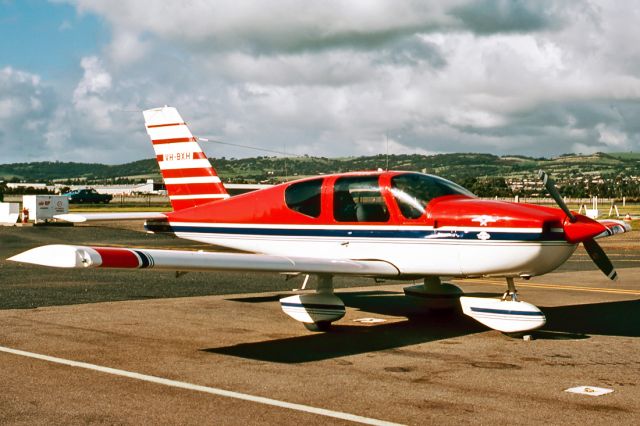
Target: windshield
(413, 191)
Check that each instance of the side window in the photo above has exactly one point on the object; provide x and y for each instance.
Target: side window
(304, 197)
(359, 199)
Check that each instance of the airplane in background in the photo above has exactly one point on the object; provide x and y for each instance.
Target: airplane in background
(381, 224)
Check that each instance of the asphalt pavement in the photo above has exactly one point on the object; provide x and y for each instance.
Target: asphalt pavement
(131, 347)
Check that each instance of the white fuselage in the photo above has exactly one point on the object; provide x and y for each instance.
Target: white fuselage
(414, 251)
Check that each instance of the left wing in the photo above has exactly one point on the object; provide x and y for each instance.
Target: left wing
(68, 256)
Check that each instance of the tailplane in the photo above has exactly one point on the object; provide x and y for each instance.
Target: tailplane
(188, 176)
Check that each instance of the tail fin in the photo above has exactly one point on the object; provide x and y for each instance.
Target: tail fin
(187, 173)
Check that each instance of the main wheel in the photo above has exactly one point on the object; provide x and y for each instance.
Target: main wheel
(317, 326)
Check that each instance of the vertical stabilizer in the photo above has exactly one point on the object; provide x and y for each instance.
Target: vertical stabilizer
(188, 176)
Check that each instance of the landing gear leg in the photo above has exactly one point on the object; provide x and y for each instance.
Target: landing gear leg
(325, 284)
(316, 311)
(511, 293)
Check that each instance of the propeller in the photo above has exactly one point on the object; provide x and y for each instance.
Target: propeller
(594, 250)
(600, 258)
(550, 186)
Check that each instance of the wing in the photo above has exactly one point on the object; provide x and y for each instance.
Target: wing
(613, 227)
(68, 256)
(84, 217)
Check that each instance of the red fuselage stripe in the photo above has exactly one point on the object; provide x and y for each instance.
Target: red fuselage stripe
(185, 204)
(118, 258)
(174, 140)
(164, 125)
(195, 189)
(181, 173)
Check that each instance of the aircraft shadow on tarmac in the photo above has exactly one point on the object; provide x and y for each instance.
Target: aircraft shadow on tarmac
(606, 318)
(421, 326)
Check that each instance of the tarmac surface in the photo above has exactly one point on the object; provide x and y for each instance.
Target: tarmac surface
(131, 347)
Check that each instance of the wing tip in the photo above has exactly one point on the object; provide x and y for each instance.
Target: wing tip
(54, 255)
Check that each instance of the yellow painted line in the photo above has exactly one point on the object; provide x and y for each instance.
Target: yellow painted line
(624, 256)
(608, 254)
(554, 286)
(589, 260)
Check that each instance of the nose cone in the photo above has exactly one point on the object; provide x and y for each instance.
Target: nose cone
(582, 229)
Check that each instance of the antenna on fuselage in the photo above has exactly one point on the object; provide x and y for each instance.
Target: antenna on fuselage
(387, 152)
(284, 149)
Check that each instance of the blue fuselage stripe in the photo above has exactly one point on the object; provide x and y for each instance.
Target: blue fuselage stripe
(493, 234)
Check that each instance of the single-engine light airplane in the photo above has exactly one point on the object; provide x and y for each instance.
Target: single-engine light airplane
(382, 224)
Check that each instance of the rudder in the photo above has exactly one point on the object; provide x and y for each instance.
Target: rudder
(188, 175)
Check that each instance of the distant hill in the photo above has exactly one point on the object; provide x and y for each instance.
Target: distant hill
(452, 166)
(49, 171)
(471, 169)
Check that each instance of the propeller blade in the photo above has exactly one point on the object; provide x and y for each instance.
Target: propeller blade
(550, 186)
(600, 258)
(596, 253)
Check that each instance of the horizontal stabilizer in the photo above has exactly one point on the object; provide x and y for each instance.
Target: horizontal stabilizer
(68, 256)
(86, 217)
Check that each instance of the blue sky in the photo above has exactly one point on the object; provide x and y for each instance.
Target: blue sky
(48, 39)
(331, 78)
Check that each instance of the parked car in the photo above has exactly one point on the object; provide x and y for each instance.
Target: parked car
(89, 196)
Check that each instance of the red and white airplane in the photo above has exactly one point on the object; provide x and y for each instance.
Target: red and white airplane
(383, 224)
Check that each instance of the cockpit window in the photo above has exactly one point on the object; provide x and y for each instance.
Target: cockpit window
(304, 197)
(359, 199)
(413, 191)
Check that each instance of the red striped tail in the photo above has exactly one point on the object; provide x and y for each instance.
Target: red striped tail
(187, 173)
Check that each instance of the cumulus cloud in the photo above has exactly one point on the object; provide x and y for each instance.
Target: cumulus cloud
(25, 111)
(334, 77)
(277, 26)
(504, 16)
(89, 95)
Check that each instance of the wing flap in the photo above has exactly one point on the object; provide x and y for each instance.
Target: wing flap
(69, 256)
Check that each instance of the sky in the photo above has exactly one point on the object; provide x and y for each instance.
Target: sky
(324, 78)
